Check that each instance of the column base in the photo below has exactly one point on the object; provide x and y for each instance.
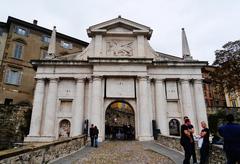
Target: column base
(100, 139)
(145, 138)
(39, 139)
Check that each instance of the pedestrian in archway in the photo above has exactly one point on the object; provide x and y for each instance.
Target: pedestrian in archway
(231, 135)
(96, 132)
(92, 135)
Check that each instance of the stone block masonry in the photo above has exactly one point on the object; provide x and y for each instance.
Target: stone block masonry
(14, 124)
(217, 155)
(42, 152)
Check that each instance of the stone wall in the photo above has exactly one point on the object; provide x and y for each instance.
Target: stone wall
(14, 124)
(42, 153)
(216, 152)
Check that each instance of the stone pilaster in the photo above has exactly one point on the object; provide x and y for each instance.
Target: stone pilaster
(98, 45)
(37, 108)
(89, 100)
(97, 104)
(140, 43)
(77, 118)
(187, 101)
(50, 113)
(144, 112)
(200, 103)
(161, 107)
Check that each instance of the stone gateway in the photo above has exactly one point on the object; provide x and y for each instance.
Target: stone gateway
(117, 71)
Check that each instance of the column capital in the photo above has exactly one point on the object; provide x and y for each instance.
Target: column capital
(40, 80)
(80, 79)
(158, 80)
(184, 80)
(53, 79)
(96, 77)
(198, 81)
(142, 78)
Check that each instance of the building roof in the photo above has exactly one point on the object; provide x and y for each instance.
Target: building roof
(42, 29)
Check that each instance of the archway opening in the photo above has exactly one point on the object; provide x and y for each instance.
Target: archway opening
(120, 121)
(174, 127)
(64, 129)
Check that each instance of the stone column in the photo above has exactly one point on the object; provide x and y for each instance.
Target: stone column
(97, 103)
(161, 107)
(187, 101)
(50, 114)
(37, 108)
(77, 121)
(89, 101)
(144, 111)
(200, 103)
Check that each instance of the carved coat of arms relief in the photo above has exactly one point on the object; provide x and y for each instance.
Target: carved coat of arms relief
(119, 48)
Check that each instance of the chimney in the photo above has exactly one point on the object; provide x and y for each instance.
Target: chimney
(35, 22)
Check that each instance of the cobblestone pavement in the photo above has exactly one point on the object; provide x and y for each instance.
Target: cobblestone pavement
(122, 152)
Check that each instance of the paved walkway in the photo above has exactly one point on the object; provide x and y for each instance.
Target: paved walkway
(122, 152)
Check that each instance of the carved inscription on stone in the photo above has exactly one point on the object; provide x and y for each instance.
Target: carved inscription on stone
(119, 48)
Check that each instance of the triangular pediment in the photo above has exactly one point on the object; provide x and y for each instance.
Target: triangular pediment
(119, 25)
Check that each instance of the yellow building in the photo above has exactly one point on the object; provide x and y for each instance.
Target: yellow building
(26, 41)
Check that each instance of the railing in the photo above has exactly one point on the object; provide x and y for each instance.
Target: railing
(43, 153)
(216, 152)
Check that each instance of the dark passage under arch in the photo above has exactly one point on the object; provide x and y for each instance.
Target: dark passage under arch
(120, 121)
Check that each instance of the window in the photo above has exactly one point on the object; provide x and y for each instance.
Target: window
(66, 45)
(45, 39)
(21, 31)
(8, 101)
(13, 76)
(18, 51)
(43, 54)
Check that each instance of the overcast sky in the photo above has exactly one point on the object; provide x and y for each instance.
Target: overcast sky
(208, 23)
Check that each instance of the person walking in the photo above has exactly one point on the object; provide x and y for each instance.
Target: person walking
(191, 130)
(231, 135)
(186, 141)
(204, 150)
(92, 135)
(96, 132)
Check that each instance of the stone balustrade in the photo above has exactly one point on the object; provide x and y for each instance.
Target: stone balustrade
(43, 152)
(217, 155)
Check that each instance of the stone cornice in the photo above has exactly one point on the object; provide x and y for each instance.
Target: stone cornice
(37, 63)
(120, 60)
(181, 63)
(92, 60)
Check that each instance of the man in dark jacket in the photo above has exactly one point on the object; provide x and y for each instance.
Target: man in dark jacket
(96, 132)
(186, 141)
(92, 135)
(191, 130)
(231, 135)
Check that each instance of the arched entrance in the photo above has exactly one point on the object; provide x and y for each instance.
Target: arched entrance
(64, 129)
(120, 121)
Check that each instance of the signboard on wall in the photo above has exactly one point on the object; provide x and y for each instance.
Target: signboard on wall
(120, 87)
(171, 90)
